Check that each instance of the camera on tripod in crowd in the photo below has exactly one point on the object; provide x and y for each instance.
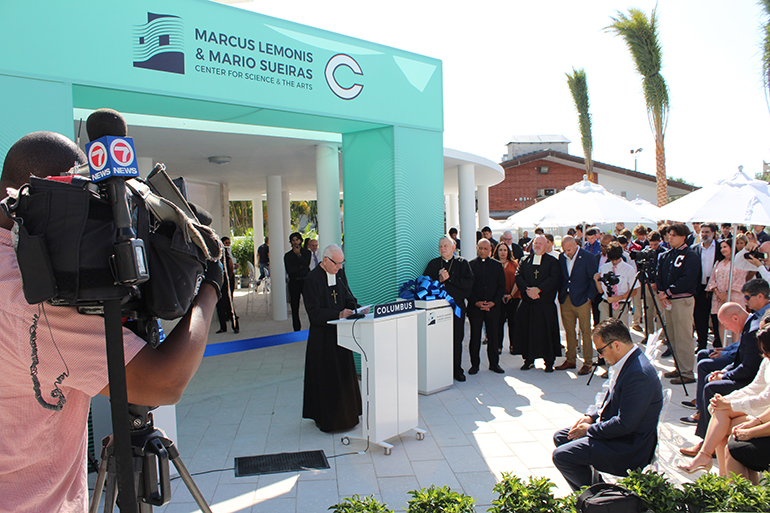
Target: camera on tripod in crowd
(644, 257)
(609, 279)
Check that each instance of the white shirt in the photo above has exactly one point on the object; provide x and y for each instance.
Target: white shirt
(570, 262)
(626, 274)
(314, 260)
(618, 366)
(707, 255)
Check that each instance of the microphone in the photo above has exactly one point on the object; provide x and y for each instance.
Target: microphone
(112, 159)
(344, 281)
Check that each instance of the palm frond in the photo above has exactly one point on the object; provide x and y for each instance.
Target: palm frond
(578, 86)
(641, 37)
(766, 45)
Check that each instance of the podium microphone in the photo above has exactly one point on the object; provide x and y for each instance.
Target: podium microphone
(111, 160)
(354, 315)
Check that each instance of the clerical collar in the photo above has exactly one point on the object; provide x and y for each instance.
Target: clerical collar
(446, 259)
(536, 259)
(483, 259)
(331, 279)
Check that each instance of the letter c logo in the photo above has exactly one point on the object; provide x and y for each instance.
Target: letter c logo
(678, 261)
(346, 93)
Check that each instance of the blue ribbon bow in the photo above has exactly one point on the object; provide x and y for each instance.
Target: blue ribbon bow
(425, 289)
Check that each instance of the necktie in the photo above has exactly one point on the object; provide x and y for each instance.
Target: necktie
(315, 259)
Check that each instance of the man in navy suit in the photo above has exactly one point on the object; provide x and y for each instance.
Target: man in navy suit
(578, 267)
(620, 433)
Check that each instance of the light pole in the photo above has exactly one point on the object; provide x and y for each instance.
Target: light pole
(635, 153)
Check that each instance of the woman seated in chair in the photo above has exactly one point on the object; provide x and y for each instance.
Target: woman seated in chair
(734, 409)
(748, 449)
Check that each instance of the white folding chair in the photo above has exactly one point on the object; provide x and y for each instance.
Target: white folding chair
(655, 463)
(250, 298)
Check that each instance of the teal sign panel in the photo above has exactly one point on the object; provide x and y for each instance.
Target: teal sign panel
(208, 51)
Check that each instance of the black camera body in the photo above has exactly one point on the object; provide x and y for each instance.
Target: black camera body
(756, 254)
(609, 279)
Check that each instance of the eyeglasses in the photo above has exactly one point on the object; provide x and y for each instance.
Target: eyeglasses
(746, 298)
(600, 350)
(335, 263)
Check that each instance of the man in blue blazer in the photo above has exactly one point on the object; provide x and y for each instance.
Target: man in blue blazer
(578, 267)
(620, 432)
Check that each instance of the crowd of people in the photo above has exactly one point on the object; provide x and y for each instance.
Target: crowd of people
(602, 286)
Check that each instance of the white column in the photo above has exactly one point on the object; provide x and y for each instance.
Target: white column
(454, 214)
(277, 247)
(466, 184)
(327, 180)
(224, 199)
(483, 205)
(286, 206)
(257, 224)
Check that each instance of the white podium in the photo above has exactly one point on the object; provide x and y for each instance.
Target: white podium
(388, 349)
(435, 343)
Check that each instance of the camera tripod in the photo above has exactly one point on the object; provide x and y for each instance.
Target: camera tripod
(642, 276)
(151, 452)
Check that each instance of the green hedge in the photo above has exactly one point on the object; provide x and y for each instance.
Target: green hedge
(710, 493)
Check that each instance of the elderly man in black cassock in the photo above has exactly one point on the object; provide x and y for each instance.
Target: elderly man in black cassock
(332, 396)
(537, 326)
(455, 275)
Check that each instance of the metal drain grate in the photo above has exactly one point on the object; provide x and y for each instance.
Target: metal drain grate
(281, 462)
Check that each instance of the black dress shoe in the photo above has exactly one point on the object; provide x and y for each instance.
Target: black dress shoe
(221, 331)
(667, 353)
(236, 330)
(459, 376)
(473, 370)
(497, 369)
(549, 368)
(527, 365)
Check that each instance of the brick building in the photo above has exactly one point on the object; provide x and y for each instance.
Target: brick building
(540, 166)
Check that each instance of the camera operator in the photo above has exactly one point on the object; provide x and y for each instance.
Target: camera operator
(614, 281)
(761, 265)
(677, 280)
(44, 442)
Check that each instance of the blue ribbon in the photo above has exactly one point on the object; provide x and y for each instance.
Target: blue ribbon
(425, 289)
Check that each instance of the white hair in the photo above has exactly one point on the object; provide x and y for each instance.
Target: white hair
(330, 250)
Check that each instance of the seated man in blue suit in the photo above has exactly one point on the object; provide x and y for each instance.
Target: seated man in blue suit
(578, 267)
(621, 433)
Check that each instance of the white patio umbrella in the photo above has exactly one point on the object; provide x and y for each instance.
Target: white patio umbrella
(737, 200)
(647, 208)
(581, 202)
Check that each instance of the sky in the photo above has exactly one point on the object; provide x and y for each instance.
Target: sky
(504, 66)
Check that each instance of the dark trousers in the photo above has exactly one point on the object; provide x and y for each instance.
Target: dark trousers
(508, 314)
(701, 316)
(491, 320)
(225, 311)
(595, 309)
(704, 367)
(295, 291)
(573, 459)
(458, 333)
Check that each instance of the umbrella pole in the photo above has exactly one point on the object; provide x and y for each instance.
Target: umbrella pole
(732, 262)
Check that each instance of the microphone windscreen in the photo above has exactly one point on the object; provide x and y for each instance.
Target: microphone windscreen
(202, 214)
(103, 122)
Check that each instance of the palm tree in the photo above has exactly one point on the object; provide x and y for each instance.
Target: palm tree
(578, 86)
(641, 36)
(766, 46)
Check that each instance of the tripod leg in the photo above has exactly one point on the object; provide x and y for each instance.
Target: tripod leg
(665, 332)
(173, 455)
(101, 477)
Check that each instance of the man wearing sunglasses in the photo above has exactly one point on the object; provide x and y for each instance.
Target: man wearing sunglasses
(619, 433)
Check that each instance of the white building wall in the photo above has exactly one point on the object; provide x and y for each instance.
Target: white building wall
(633, 187)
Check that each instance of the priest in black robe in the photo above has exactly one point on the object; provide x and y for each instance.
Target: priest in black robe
(455, 274)
(332, 396)
(537, 325)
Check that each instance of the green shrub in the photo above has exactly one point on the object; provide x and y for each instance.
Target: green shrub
(243, 251)
(711, 492)
(444, 500)
(356, 504)
(655, 490)
(514, 496)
